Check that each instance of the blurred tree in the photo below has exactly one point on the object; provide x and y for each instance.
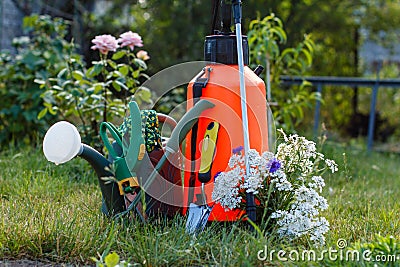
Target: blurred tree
(173, 31)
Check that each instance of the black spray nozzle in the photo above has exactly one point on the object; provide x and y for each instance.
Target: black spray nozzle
(258, 70)
(237, 11)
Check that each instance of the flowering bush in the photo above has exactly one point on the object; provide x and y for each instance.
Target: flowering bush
(286, 187)
(100, 92)
(39, 54)
(105, 43)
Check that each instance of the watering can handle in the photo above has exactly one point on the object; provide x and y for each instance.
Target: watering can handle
(186, 124)
(104, 126)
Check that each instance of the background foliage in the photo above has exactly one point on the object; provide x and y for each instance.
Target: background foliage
(95, 94)
(41, 54)
(337, 28)
(48, 80)
(266, 39)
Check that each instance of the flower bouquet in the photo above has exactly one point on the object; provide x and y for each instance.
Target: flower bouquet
(286, 186)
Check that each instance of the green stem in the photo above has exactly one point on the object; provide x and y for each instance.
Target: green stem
(103, 58)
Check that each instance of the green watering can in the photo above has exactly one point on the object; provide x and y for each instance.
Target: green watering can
(127, 155)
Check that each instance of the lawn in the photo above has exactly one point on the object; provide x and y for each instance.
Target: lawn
(53, 213)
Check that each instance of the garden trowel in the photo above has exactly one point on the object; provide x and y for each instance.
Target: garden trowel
(198, 214)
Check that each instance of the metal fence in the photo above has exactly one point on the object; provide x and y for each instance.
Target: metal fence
(320, 81)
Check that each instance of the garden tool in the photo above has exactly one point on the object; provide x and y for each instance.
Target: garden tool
(127, 155)
(237, 14)
(126, 177)
(198, 214)
(173, 145)
(223, 80)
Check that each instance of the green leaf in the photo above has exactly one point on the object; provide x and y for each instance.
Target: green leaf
(112, 64)
(253, 23)
(31, 60)
(50, 108)
(62, 73)
(124, 70)
(98, 87)
(121, 84)
(119, 55)
(57, 87)
(111, 259)
(116, 73)
(39, 81)
(75, 92)
(67, 83)
(116, 86)
(143, 94)
(95, 69)
(308, 56)
(78, 75)
(42, 113)
(140, 63)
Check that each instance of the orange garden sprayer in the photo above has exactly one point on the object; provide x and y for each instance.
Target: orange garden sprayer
(238, 120)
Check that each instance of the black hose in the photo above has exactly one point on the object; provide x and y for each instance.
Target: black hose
(215, 16)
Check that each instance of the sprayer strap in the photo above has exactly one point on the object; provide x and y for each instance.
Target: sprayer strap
(198, 87)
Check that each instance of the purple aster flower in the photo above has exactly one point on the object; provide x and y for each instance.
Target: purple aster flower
(216, 175)
(273, 165)
(237, 150)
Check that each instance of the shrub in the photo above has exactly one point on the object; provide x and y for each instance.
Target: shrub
(266, 40)
(88, 96)
(41, 54)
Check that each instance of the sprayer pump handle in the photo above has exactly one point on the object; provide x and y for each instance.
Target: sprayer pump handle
(237, 10)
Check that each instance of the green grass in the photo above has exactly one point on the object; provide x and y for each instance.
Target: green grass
(53, 213)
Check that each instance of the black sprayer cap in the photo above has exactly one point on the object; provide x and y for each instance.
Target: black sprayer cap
(222, 49)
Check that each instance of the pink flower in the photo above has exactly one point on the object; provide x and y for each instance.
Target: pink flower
(105, 43)
(142, 55)
(130, 39)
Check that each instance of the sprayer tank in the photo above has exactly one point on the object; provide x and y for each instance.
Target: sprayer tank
(223, 89)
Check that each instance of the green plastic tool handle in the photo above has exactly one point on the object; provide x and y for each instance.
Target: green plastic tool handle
(186, 124)
(181, 130)
(104, 126)
(135, 147)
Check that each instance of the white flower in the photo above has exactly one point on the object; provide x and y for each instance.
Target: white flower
(268, 155)
(331, 165)
(280, 181)
(252, 183)
(235, 159)
(318, 183)
(254, 158)
(226, 190)
(302, 216)
(292, 175)
(309, 195)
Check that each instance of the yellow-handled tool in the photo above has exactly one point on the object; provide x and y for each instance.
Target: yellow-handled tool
(208, 151)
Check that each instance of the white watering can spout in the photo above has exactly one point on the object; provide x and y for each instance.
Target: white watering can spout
(62, 143)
